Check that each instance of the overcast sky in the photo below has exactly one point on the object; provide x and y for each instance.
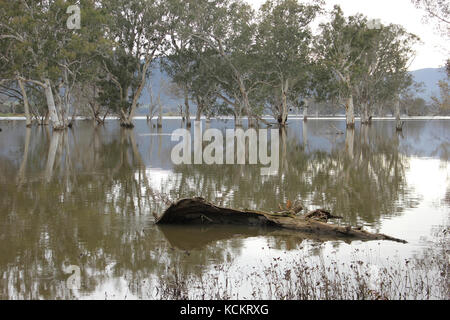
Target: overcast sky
(434, 50)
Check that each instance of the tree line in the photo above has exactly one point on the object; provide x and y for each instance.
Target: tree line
(222, 56)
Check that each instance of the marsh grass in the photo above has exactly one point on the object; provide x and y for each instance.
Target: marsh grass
(424, 277)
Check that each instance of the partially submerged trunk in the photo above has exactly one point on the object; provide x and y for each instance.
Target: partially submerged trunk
(200, 108)
(350, 112)
(305, 109)
(98, 119)
(187, 114)
(398, 121)
(126, 119)
(160, 117)
(42, 120)
(284, 109)
(237, 119)
(46, 119)
(53, 113)
(364, 114)
(26, 105)
(95, 108)
(197, 211)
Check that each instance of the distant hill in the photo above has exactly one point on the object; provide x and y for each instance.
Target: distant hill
(430, 78)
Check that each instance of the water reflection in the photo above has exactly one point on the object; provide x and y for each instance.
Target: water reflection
(86, 197)
(361, 180)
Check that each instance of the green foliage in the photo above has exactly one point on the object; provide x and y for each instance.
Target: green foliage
(368, 63)
(283, 51)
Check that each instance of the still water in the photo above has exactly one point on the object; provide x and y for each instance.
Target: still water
(86, 198)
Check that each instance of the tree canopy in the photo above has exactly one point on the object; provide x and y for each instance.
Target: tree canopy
(223, 56)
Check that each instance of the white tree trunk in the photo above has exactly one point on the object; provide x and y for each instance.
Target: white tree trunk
(284, 108)
(26, 105)
(237, 120)
(398, 121)
(57, 124)
(127, 119)
(350, 112)
(364, 114)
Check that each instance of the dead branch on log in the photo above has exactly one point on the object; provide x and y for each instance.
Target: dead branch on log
(321, 215)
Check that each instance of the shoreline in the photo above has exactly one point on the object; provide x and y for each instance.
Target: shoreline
(357, 119)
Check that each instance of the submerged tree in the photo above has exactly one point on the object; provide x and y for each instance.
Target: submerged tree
(383, 74)
(339, 49)
(138, 30)
(228, 28)
(362, 65)
(44, 52)
(283, 51)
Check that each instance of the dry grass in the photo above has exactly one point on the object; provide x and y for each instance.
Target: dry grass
(424, 277)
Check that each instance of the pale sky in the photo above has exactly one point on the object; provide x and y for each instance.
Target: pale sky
(434, 50)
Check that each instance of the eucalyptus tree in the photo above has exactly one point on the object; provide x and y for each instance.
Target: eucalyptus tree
(383, 73)
(138, 30)
(227, 27)
(339, 49)
(24, 34)
(190, 64)
(204, 90)
(283, 47)
(179, 58)
(44, 52)
(177, 66)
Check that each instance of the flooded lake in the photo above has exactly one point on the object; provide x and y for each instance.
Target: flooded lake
(86, 197)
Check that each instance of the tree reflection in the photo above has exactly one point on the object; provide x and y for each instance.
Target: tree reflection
(85, 200)
(362, 180)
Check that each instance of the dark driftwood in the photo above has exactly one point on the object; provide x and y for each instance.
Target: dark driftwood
(198, 211)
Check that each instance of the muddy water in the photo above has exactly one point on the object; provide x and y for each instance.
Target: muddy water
(85, 198)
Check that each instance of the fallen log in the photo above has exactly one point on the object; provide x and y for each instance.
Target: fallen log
(197, 211)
